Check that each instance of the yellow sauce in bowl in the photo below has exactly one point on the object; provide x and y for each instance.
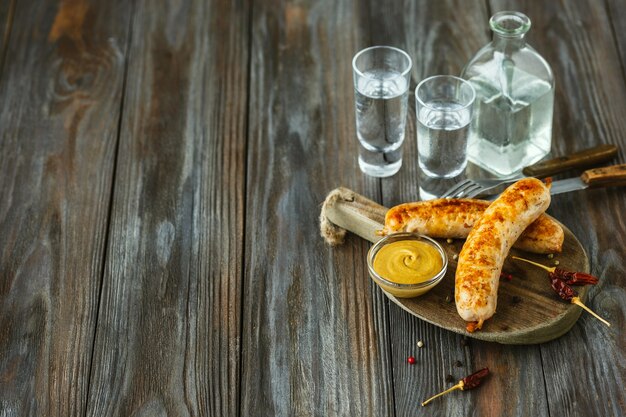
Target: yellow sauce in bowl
(406, 265)
(408, 262)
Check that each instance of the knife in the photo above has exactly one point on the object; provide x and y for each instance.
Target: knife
(578, 160)
(583, 159)
(611, 176)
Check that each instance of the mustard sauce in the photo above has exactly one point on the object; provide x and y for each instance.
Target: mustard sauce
(407, 262)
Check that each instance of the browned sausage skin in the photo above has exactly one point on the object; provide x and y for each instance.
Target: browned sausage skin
(454, 218)
(488, 243)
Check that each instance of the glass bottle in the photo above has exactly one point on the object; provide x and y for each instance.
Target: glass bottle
(512, 124)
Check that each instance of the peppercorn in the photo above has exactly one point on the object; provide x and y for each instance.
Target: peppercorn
(458, 364)
(450, 379)
(411, 360)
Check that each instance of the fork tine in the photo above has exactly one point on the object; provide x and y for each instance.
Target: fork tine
(456, 189)
(469, 190)
(475, 192)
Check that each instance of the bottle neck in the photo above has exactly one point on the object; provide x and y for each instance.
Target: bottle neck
(509, 29)
(508, 44)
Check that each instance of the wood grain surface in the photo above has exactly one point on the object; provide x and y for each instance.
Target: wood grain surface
(168, 343)
(60, 95)
(7, 12)
(314, 338)
(162, 166)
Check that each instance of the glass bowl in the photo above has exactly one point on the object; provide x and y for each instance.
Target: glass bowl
(405, 290)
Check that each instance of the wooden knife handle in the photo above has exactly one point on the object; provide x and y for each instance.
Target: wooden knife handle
(611, 176)
(583, 159)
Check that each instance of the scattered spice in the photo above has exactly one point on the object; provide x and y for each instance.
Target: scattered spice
(556, 262)
(458, 364)
(448, 299)
(455, 256)
(507, 276)
(469, 382)
(550, 256)
(411, 360)
(449, 240)
(449, 379)
(420, 344)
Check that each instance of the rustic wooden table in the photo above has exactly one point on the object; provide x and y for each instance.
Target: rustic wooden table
(162, 165)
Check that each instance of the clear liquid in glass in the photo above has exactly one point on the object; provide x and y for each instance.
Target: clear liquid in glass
(442, 134)
(381, 108)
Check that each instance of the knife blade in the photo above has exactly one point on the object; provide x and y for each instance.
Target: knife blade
(565, 186)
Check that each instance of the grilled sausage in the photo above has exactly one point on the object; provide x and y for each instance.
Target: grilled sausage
(489, 242)
(454, 218)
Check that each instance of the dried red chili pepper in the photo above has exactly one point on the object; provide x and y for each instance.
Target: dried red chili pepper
(567, 293)
(569, 277)
(475, 379)
(562, 288)
(469, 382)
(575, 278)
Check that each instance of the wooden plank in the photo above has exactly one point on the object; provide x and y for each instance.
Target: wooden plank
(7, 12)
(315, 335)
(616, 12)
(168, 334)
(575, 38)
(441, 37)
(60, 98)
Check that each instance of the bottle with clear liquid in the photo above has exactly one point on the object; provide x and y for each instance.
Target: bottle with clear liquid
(512, 124)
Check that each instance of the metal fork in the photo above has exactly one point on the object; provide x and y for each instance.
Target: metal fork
(473, 188)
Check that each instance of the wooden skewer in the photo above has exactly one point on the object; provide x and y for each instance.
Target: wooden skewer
(576, 300)
(547, 268)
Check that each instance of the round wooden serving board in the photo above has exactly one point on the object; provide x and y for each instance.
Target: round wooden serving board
(528, 310)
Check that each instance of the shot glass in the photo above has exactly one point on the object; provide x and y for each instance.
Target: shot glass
(444, 106)
(381, 87)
